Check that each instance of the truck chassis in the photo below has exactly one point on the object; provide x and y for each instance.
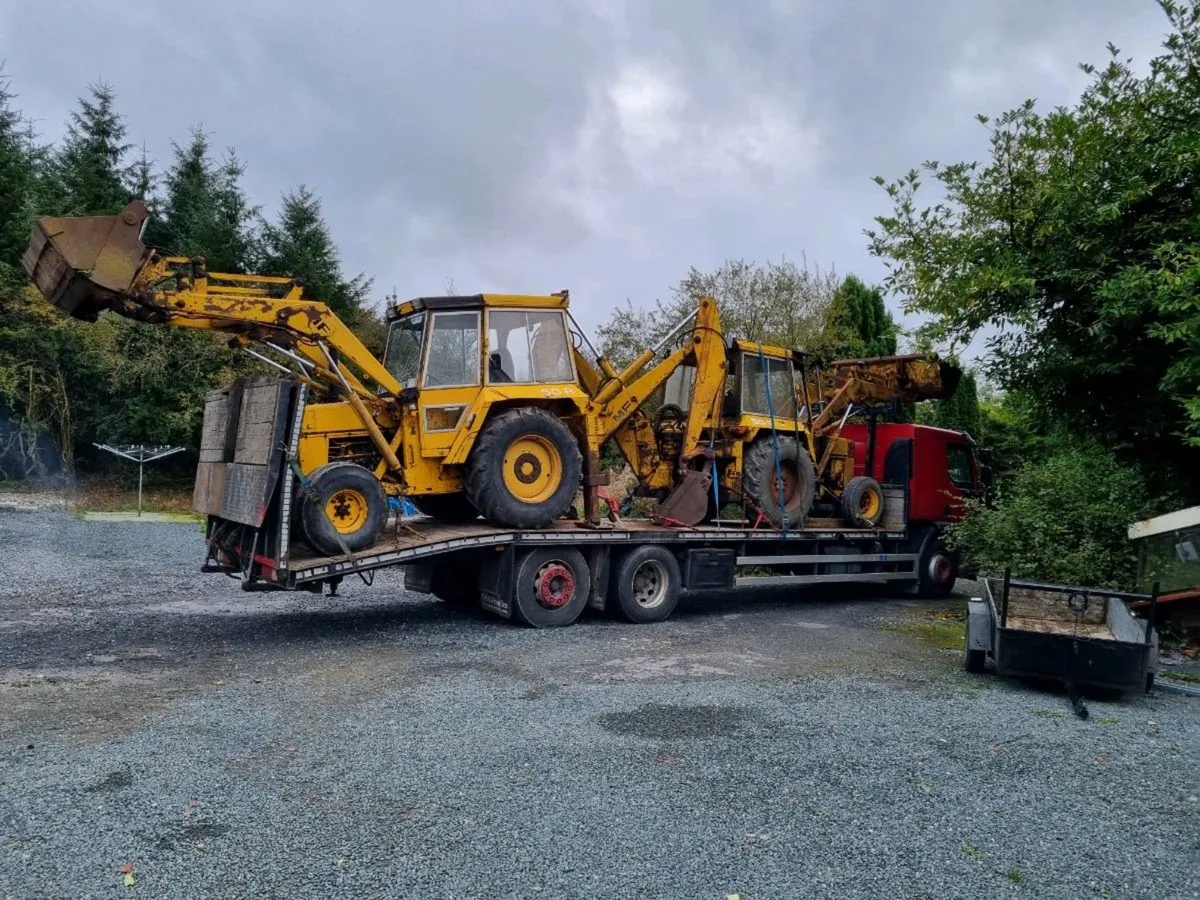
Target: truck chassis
(248, 486)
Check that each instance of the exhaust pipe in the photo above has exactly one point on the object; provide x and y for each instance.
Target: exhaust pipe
(81, 264)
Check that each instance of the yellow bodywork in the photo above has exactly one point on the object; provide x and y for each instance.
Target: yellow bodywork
(416, 431)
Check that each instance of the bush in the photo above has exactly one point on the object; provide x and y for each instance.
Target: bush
(1061, 519)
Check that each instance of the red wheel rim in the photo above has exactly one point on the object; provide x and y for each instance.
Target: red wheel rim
(942, 569)
(555, 585)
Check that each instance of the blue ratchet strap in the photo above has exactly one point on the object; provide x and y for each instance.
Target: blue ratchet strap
(762, 361)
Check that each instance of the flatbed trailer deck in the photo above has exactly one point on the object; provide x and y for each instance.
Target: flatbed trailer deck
(247, 486)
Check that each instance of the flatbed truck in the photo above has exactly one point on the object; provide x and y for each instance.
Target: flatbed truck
(248, 487)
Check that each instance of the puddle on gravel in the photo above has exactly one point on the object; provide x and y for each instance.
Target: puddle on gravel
(666, 722)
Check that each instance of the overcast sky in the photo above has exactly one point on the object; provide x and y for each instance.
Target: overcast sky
(598, 145)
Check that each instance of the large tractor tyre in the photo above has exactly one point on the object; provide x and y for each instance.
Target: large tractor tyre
(351, 507)
(760, 486)
(524, 470)
(550, 587)
(644, 584)
(452, 509)
(862, 502)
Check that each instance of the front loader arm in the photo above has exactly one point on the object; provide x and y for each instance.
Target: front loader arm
(87, 264)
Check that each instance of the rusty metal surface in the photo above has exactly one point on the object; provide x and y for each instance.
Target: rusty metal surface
(81, 263)
(687, 503)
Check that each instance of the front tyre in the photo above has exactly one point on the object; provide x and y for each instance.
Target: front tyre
(524, 469)
(351, 508)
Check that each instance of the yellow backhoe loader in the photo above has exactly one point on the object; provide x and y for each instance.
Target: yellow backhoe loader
(484, 404)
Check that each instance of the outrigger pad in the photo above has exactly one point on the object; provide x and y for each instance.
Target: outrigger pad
(687, 504)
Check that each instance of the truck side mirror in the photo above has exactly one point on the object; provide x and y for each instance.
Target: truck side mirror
(985, 475)
(984, 455)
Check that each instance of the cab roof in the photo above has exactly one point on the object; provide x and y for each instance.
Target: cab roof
(479, 301)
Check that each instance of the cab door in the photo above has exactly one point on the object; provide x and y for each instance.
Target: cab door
(450, 378)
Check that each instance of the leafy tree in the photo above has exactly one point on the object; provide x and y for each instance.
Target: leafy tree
(777, 303)
(90, 173)
(1077, 244)
(1063, 518)
(861, 321)
(300, 244)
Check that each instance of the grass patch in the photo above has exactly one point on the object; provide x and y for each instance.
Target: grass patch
(944, 629)
(1186, 677)
(1016, 876)
(1049, 713)
(971, 852)
(1107, 720)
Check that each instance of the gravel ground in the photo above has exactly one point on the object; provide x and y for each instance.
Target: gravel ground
(378, 744)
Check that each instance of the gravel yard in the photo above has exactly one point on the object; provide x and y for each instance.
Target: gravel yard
(772, 744)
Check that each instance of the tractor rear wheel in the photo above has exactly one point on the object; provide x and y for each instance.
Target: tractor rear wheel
(760, 481)
(524, 469)
(449, 508)
(351, 509)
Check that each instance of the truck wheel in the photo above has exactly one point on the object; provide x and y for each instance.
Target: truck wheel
(975, 660)
(644, 586)
(862, 502)
(352, 506)
(759, 483)
(524, 469)
(550, 587)
(936, 569)
(449, 508)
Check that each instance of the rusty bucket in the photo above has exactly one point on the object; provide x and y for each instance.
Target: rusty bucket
(82, 263)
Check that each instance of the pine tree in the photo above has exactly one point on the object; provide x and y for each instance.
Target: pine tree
(90, 171)
(16, 177)
(860, 320)
(205, 211)
(142, 179)
(299, 244)
(958, 413)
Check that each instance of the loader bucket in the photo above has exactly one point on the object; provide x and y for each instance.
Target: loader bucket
(913, 377)
(82, 263)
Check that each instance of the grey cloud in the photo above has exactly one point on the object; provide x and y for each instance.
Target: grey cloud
(603, 145)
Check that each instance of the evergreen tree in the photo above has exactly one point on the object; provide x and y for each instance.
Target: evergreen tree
(960, 412)
(90, 171)
(299, 244)
(205, 211)
(860, 320)
(142, 179)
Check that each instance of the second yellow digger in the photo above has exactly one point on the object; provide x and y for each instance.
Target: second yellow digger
(486, 404)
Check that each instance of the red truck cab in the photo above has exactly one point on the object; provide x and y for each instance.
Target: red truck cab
(937, 464)
(940, 469)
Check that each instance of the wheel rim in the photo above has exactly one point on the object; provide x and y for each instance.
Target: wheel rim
(347, 510)
(868, 504)
(650, 584)
(533, 468)
(554, 585)
(792, 495)
(941, 569)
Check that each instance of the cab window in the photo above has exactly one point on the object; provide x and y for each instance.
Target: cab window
(754, 386)
(958, 463)
(403, 355)
(452, 359)
(528, 346)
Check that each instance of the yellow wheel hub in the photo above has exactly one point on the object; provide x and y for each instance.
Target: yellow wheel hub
(347, 510)
(533, 469)
(869, 504)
